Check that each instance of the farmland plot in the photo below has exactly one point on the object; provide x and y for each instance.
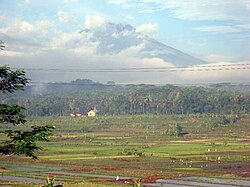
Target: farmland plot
(137, 148)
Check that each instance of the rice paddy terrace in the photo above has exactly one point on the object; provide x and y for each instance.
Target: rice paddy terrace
(119, 150)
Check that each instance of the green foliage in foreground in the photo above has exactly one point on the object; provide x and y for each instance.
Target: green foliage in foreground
(12, 81)
(51, 183)
(23, 142)
(12, 114)
(19, 141)
(2, 46)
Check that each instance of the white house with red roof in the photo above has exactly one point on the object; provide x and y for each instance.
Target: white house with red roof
(92, 112)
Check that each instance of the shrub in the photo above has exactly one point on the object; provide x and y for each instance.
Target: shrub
(175, 130)
(133, 152)
(51, 183)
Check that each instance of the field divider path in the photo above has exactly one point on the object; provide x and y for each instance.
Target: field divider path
(198, 181)
(21, 179)
(219, 181)
(88, 175)
(181, 182)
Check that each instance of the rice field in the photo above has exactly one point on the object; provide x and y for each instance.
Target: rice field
(94, 151)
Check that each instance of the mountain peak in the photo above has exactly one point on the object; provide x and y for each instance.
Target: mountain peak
(113, 38)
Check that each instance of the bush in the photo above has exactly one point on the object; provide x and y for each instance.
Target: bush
(133, 152)
(224, 120)
(175, 130)
(51, 183)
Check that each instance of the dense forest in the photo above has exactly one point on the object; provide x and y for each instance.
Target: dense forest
(81, 95)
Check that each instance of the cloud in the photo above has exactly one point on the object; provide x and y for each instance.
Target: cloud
(131, 51)
(244, 26)
(70, 1)
(78, 43)
(148, 29)
(63, 16)
(2, 18)
(224, 28)
(122, 3)
(10, 53)
(21, 28)
(215, 58)
(79, 58)
(43, 26)
(72, 50)
(27, 1)
(23, 37)
(208, 9)
(193, 9)
(24, 27)
(129, 18)
(95, 21)
(30, 46)
(18, 33)
(218, 29)
(213, 74)
(64, 40)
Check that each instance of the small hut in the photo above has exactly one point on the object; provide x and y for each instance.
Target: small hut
(92, 112)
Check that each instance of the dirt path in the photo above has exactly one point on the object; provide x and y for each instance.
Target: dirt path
(21, 179)
(199, 181)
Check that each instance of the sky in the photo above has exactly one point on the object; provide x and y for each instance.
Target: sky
(45, 34)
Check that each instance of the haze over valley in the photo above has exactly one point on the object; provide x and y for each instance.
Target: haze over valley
(74, 35)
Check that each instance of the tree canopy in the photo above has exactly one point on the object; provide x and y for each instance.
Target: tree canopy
(65, 98)
(19, 142)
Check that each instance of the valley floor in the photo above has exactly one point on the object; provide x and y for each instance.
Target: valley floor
(123, 150)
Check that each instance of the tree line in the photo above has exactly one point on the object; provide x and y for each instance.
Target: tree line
(76, 97)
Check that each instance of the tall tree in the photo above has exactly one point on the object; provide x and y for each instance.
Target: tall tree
(19, 142)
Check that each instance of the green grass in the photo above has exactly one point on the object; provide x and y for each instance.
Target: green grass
(94, 145)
